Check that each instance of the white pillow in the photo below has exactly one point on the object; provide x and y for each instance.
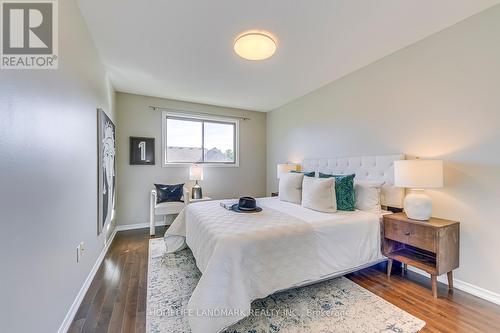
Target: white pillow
(319, 194)
(290, 187)
(368, 195)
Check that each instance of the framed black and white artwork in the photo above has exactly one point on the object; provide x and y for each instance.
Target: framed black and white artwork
(106, 169)
(142, 151)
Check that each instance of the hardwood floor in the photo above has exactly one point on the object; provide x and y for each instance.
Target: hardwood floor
(116, 299)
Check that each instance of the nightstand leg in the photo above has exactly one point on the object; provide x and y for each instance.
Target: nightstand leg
(450, 280)
(405, 267)
(434, 285)
(389, 267)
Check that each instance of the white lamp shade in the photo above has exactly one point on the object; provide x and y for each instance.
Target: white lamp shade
(418, 174)
(196, 172)
(285, 168)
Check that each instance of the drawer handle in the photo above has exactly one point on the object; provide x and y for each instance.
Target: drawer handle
(407, 233)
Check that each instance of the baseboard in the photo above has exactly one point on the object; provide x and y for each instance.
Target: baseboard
(125, 227)
(81, 294)
(464, 286)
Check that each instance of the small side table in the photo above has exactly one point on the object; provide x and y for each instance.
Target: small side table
(200, 200)
(432, 246)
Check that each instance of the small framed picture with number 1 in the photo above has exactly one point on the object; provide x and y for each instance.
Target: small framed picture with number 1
(142, 151)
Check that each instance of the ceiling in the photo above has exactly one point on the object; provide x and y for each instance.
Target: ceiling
(183, 49)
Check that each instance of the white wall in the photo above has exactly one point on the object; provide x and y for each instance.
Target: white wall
(438, 98)
(48, 179)
(135, 181)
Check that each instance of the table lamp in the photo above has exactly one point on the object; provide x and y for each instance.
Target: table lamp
(418, 175)
(196, 174)
(285, 168)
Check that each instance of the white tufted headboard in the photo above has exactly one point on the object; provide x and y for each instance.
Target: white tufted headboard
(366, 168)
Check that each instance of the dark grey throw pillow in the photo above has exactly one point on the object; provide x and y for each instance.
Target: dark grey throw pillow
(307, 174)
(168, 193)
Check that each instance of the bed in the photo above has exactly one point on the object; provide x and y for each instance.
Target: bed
(244, 257)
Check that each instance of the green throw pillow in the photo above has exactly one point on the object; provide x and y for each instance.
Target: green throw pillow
(307, 174)
(344, 190)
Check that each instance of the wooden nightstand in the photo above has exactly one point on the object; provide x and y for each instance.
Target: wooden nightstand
(432, 246)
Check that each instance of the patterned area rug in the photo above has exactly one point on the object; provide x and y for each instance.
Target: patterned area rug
(337, 305)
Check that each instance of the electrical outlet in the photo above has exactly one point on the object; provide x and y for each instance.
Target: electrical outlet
(80, 251)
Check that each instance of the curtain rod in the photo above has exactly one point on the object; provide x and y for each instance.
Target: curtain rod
(155, 108)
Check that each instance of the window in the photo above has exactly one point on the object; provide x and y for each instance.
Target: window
(199, 139)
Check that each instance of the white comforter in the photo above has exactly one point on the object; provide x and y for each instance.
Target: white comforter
(244, 257)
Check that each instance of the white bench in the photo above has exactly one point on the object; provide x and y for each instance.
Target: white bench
(168, 208)
(165, 208)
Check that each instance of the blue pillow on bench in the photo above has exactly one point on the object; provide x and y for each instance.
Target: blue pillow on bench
(169, 193)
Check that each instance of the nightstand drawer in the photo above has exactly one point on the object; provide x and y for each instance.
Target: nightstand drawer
(398, 231)
(423, 237)
(411, 234)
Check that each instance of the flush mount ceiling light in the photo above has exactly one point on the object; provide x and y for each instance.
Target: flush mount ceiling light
(255, 45)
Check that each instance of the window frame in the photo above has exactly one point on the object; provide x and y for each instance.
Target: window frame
(201, 118)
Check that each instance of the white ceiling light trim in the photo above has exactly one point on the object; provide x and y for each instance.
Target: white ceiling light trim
(255, 45)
